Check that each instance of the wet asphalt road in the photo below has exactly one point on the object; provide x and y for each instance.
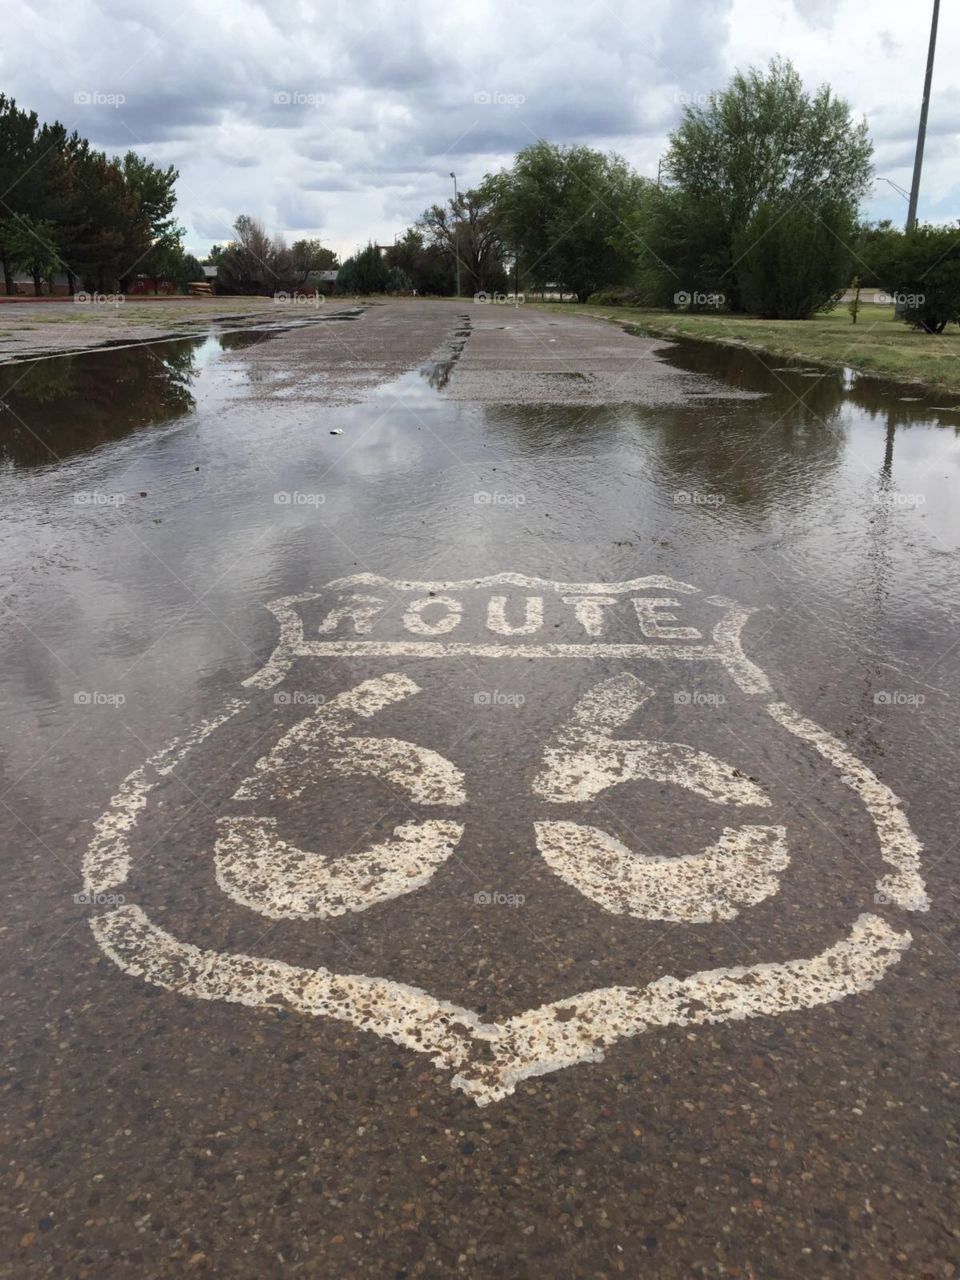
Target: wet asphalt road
(172, 1110)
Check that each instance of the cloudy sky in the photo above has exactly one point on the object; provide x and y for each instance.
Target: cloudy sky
(344, 119)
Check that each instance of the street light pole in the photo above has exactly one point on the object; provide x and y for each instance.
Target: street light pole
(922, 131)
(456, 226)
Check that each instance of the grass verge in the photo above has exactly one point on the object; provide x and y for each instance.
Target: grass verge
(877, 344)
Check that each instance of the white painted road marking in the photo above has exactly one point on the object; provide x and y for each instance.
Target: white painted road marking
(487, 1059)
(584, 759)
(424, 776)
(738, 871)
(899, 847)
(547, 1039)
(260, 870)
(360, 614)
(108, 858)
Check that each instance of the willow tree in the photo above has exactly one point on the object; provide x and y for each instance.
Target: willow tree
(760, 152)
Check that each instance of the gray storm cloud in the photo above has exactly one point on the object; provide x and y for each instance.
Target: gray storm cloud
(345, 120)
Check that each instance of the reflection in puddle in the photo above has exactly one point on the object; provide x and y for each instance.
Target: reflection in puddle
(831, 495)
(58, 406)
(54, 408)
(438, 369)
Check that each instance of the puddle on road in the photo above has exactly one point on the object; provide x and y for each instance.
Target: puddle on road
(437, 371)
(52, 409)
(131, 478)
(58, 406)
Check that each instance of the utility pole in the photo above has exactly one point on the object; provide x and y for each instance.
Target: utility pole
(922, 131)
(456, 226)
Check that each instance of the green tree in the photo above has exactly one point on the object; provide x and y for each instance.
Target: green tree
(73, 214)
(921, 269)
(680, 248)
(191, 268)
(307, 256)
(248, 263)
(761, 142)
(468, 227)
(113, 234)
(397, 280)
(853, 306)
(17, 132)
(25, 173)
(364, 272)
(430, 268)
(154, 189)
(31, 246)
(793, 260)
(870, 249)
(564, 211)
(101, 217)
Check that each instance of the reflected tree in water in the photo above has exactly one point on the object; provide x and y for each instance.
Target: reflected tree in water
(66, 405)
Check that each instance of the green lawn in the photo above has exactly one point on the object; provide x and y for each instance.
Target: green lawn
(878, 343)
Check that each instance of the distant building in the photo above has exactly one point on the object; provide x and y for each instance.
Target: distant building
(23, 285)
(321, 281)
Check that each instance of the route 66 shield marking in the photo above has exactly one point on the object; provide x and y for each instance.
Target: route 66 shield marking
(625, 632)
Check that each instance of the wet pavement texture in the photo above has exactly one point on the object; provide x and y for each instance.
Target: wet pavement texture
(301, 998)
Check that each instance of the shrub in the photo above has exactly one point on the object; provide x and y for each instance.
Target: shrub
(620, 296)
(921, 269)
(365, 272)
(397, 281)
(794, 259)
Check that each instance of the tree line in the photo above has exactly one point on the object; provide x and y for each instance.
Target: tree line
(756, 211)
(102, 221)
(256, 262)
(67, 208)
